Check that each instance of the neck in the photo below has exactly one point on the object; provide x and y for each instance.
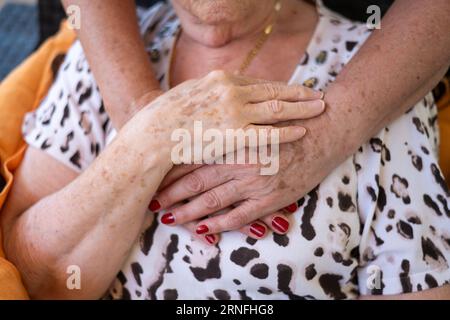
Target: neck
(217, 31)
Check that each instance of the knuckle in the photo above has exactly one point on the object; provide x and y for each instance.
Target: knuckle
(194, 183)
(272, 90)
(212, 200)
(276, 107)
(218, 74)
(231, 91)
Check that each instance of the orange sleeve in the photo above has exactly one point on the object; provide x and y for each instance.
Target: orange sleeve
(20, 93)
(444, 125)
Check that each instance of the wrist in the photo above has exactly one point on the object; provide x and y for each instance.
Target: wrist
(146, 138)
(343, 121)
(149, 158)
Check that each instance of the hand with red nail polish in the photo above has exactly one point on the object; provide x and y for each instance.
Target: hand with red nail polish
(168, 219)
(291, 208)
(202, 229)
(210, 238)
(280, 224)
(258, 230)
(254, 204)
(154, 205)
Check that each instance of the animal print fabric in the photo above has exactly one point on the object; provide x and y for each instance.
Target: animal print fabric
(383, 212)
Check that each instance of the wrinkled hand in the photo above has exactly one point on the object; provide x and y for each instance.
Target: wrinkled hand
(236, 185)
(246, 200)
(224, 102)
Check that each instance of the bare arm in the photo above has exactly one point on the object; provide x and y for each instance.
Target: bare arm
(397, 66)
(54, 219)
(113, 46)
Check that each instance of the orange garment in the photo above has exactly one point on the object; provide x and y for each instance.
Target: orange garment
(444, 123)
(21, 92)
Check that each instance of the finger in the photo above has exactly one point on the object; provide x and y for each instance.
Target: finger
(236, 219)
(262, 92)
(274, 111)
(194, 183)
(269, 135)
(209, 202)
(177, 172)
(292, 208)
(209, 239)
(278, 222)
(256, 230)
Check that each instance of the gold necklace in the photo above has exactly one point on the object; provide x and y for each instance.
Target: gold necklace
(262, 39)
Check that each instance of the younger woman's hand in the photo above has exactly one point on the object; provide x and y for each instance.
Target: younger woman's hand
(211, 199)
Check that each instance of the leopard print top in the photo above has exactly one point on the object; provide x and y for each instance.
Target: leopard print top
(378, 224)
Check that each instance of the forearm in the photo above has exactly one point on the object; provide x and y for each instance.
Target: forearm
(91, 223)
(394, 69)
(113, 46)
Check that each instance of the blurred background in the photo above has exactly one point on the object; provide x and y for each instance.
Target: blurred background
(19, 32)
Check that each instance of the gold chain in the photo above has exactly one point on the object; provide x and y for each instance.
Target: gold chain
(262, 39)
(259, 43)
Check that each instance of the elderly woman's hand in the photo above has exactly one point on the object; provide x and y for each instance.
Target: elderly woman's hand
(222, 101)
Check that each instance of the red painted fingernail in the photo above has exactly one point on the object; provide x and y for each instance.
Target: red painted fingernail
(291, 208)
(210, 238)
(168, 218)
(282, 225)
(154, 205)
(258, 230)
(202, 229)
